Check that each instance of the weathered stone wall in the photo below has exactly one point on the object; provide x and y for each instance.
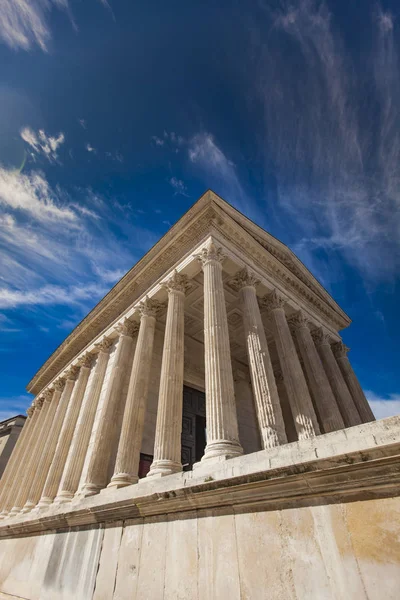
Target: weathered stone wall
(336, 552)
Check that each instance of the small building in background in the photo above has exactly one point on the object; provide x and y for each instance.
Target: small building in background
(9, 433)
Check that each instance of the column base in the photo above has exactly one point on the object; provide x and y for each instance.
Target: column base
(89, 489)
(224, 448)
(63, 497)
(14, 511)
(122, 480)
(160, 468)
(4, 514)
(44, 503)
(28, 507)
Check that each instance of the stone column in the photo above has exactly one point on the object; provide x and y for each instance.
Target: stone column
(33, 456)
(222, 426)
(106, 434)
(128, 455)
(343, 397)
(269, 412)
(66, 433)
(340, 351)
(301, 404)
(167, 445)
(13, 466)
(70, 480)
(48, 450)
(325, 402)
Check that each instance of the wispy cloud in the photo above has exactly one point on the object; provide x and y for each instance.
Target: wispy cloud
(179, 186)
(41, 143)
(334, 153)
(90, 148)
(382, 407)
(14, 405)
(82, 123)
(51, 294)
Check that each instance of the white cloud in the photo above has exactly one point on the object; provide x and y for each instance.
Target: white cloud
(179, 186)
(51, 294)
(158, 141)
(31, 194)
(384, 407)
(335, 156)
(82, 123)
(90, 148)
(41, 143)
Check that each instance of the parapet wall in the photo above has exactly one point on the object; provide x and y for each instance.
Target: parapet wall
(318, 519)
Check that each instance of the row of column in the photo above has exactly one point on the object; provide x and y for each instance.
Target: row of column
(38, 473)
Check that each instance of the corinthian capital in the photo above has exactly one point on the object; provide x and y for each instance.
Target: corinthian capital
(72, 373)
(299, 320)
(150, 307)
(39, 402)
(30, 410)
(48, 394)
(127, 327)
(177, 283)
(321, 337)
(211, 253)
(339, 349)
(104, 345)
(59, 384)
(244, 278)
(273, 300)
(86, 360)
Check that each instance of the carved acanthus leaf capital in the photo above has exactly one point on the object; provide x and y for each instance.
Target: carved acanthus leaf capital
(39, 402)
(127, 327)
(340, 350)
(321, 337)
(48, 394)
(178, 282)
(150, 307)
(72, 373)
(299, 320)
(273, 300)
(30, 410)
(59, 384)
(104, 345)
(244, 278)
(86, 360)
(211, 253)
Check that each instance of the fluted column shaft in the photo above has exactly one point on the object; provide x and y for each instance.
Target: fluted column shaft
(325, 401)
(167, 445)
(130, 441)
(221, 416)
(14, 464)
(66, 433)
(48, 450)
(71, 476)
(33, 456)
(268, 407)
(339, 387)
(106, 433)
(362, 405)
(304, 416)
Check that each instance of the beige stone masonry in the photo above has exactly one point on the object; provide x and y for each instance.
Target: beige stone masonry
(33, 456)
(269, 412)
(128, 455)
(70, 480)
(222, 425)
(167, 445)
(325, 401)
(304, 416)
(48, 450)
(340, 351)
(106, 434)
(66, 432)
(341, 391)
(13, 464)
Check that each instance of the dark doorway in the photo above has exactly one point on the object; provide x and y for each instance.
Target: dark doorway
(193, 427)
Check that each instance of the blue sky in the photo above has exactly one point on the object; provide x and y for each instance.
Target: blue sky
(116, 116)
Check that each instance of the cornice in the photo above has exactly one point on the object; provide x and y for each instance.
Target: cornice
(210, 212)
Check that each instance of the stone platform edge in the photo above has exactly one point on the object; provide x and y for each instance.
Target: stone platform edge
(346, 465)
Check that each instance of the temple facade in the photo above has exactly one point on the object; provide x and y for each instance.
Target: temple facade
(202, 434)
